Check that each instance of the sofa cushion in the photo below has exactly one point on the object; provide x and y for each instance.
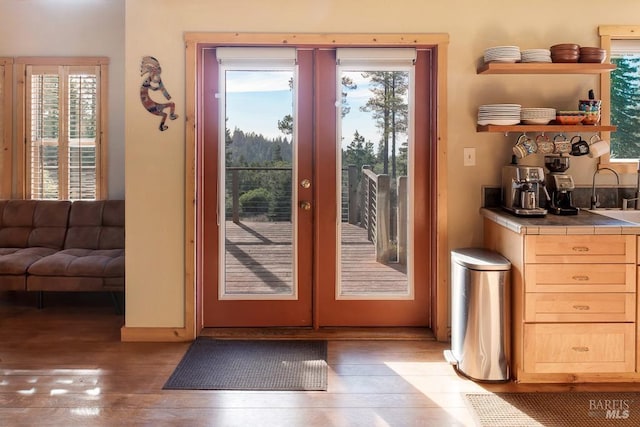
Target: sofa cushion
(18, 260)
(96, 225)
(30, 223)
(85, 223)
(50, 219)
(112, 233)
(17, 223)
(3, 203)
(81, 263)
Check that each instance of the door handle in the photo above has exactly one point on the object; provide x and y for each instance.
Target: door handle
(305, 183)
(305, 205)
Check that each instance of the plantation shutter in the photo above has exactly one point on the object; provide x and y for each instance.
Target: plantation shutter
(83, 128)
(64, 128)
(45, 132)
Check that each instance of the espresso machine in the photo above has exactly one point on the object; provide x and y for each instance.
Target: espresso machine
(560, 185)
(521, 186)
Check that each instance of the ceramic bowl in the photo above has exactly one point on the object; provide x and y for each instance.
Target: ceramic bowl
(572, 46)
(570, 117)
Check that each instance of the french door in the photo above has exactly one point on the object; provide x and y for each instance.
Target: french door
(314, 184)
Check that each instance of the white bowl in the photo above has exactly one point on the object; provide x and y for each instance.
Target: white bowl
(536, 121)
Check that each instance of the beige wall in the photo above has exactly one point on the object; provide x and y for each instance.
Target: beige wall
(74, 28)
(155, 160)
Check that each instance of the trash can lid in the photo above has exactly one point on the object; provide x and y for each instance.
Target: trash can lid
(480, 259)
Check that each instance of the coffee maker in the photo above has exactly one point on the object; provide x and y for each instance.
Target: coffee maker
(521, 187)
(560, 185)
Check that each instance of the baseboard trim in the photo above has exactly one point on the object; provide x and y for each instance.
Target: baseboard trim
(134, 334)
(327, 333)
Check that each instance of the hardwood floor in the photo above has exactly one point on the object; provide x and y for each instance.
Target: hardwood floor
(65, 366)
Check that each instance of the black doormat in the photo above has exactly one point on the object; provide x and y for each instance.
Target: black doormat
(583, 409)
(212, 364)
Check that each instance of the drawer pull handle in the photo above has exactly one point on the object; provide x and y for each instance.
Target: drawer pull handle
(580, 349)
(581, 278)
(581, 307)
(580, 249)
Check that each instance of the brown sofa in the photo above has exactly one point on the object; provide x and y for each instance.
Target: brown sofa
(55, 245)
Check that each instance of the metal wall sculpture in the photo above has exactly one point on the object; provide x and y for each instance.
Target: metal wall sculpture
(150, 70)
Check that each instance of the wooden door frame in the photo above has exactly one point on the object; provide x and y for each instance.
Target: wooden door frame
(195, 41)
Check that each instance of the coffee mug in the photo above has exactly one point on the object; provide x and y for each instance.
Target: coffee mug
(524, 146)
(579, 147)
(561, 146)
(545, 146)
(598, 146)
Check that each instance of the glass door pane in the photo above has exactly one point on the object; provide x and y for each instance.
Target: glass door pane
(375, 174)
(259, 222)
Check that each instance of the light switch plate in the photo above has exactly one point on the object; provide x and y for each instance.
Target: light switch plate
(469, 156)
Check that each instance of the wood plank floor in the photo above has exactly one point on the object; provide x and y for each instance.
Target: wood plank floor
(65, 366)
(259, 261)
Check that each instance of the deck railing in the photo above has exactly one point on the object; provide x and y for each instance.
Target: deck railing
(273, 203)
(376, 209)
(383, 214)
(371, 201)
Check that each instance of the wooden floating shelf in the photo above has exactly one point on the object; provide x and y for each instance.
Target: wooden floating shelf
(544, 68)
(546, 128)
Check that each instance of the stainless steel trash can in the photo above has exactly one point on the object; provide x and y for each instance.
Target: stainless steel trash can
(480, 314)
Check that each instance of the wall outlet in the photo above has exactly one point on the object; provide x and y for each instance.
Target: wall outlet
(469, 156)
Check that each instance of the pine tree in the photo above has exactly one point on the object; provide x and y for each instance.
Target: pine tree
(359, 152)
(625, 108)
(389, 109)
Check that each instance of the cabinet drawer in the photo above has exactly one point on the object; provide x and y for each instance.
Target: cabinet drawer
(580, 277)
(579, 347)
(580, 307)
(598, 248)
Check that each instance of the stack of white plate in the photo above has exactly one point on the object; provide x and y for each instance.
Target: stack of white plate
(499, 114)
(536, 55)
(537, 116)
(502, 54)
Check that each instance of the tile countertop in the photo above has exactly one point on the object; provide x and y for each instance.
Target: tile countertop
(583, 223)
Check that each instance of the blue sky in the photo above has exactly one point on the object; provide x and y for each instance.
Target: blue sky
(258, 100)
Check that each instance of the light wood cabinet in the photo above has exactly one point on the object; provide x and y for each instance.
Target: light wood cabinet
(579, 307)
(580, 278)
(574, 305)
(562, 348)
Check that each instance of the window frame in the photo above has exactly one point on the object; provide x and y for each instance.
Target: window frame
(23, 170)
(608, 33)
(6, 138)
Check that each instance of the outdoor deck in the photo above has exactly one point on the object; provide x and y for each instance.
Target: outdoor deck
(259, 254)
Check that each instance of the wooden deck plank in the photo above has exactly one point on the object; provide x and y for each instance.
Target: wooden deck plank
(259, 259)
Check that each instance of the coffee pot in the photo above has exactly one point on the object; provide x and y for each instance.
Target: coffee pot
(560, 186)
(528, 198)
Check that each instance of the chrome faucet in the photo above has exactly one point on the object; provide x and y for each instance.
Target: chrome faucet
(595, 202)
(625, 202)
